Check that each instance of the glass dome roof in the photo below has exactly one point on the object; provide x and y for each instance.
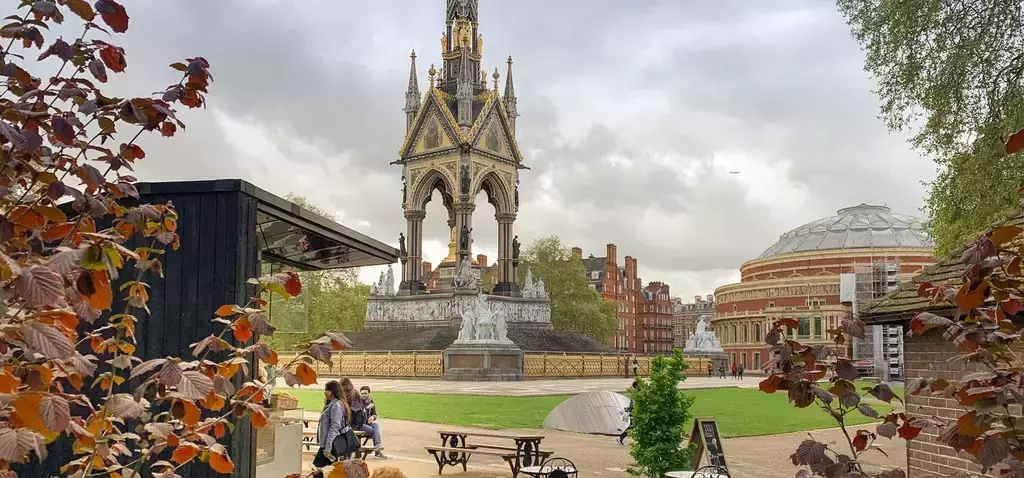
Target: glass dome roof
(851, 228)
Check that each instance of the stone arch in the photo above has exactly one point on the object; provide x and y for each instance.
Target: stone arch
(746, 338)
(498, 194)
(757, 333)
(424, 189)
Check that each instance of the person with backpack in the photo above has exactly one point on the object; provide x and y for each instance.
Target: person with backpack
(334, 436)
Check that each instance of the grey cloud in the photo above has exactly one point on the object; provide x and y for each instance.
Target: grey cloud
(780, 81)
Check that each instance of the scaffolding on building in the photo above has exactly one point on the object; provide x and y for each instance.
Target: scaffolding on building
(883, 345)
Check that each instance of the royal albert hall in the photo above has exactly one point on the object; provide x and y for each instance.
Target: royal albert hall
(798, 277)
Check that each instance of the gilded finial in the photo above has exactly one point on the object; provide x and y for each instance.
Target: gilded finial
(431, 72)
(495, 76)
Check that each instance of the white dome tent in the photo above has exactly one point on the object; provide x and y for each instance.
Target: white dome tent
(597, 413)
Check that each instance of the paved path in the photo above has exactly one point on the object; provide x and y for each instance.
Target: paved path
(525, 388)
(600, 456)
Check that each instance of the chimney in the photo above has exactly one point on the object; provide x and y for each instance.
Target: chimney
(629, 282)
(636, 279)
(481, 260)
(697, 299)
(612, 253)
(426, 269)
(578, 253)
(711, 297)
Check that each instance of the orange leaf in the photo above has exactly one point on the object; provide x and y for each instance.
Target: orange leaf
(770, 384)
(168, 129)
(75, 380)
(306, 374)
(1015, 143)
(96, 344)
(192, 414)
(228, 370)
(968, 298)
(26, 412)
(791, 323)
(259, 420)
(213, 402)
(226, 310)
(1002, 235)
(170, 224)
(272, 358)
(113, 58)
(173, 440)
(219, 430)
(242, 329)
(103, 295)
(221, 463)
(126, 347)
(185, 452)
(57, 232)
(8, 382)
(27, 218)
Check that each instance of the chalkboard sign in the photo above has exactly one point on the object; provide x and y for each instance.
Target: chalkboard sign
(706, 437)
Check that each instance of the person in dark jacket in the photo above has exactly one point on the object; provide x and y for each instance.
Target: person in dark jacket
(334, 419)
(629, 410)
(372, 426)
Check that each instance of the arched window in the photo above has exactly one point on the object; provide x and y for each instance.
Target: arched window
(745, 337)
(757, 332)
(733, 334)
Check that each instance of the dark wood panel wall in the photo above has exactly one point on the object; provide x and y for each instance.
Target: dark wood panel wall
(219, 252)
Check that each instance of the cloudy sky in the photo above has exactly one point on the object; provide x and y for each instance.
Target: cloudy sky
(632, 116)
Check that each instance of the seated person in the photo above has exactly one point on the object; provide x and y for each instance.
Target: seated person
(372, 426)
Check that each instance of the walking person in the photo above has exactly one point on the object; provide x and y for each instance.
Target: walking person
(721, 371)
(629, 414)
(734, 370)
(636, 367)
(334, 419)
(740, 371)
(710, 369)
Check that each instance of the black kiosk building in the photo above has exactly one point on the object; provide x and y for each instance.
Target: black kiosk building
(228, 229)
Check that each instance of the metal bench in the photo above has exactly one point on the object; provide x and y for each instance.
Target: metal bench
(448, 456)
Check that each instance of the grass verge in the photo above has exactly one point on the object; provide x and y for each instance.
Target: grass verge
(739, 412)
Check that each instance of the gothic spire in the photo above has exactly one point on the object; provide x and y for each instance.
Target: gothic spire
(412, 95)
(510, 97)
(467, 80)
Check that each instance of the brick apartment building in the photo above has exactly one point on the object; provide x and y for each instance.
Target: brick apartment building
(684, 317)
(644, 313)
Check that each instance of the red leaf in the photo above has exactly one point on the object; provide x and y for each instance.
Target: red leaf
(294, 286)
(113, 15)
(924, 290)
(1015, 143)
(860, 442)
(1014, 266)
(1002, 235)
(113, 57)
(63, 130)
(908, 432)
(770, 384)
(971, 296)
(167, 129)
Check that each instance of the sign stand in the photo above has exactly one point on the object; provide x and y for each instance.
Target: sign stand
(707, 438)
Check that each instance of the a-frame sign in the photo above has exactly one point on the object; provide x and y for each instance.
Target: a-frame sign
(708, 440)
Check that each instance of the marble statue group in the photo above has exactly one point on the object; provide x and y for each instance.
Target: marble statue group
(702, 339)
(483, 323)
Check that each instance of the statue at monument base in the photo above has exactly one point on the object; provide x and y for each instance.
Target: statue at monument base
(703, 343)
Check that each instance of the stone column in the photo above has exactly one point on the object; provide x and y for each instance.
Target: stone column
(463, 217)
(506, 284)
(412, 280)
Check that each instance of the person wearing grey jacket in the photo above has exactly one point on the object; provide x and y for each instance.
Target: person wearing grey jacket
(333, 421)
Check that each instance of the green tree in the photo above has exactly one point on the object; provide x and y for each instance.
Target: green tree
(660, 414)
(330, 300)
(575, 307)
(951, 73)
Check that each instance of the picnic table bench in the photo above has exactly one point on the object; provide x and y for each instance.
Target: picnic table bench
(456, 450)
(309, 444)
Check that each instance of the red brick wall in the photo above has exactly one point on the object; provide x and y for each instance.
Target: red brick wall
(927, 357)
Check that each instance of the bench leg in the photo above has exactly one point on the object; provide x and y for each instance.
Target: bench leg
(512, 463)
(440, 462)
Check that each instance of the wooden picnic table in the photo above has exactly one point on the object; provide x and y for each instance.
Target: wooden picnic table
(455, 449)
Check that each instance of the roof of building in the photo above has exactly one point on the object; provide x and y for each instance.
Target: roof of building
(898, 305)
(861, 226)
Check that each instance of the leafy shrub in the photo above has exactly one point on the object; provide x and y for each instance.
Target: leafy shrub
(660, 413)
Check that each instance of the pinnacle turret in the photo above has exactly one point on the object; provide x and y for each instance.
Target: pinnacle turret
(510, 96)
(412, 94)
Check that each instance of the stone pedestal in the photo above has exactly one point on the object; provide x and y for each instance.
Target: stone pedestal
(483, 362)
(507, 289)
(411, 287)
(718, 359)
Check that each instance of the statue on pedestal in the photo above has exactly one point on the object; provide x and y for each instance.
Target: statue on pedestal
(515, 250)
(703, 340)
(464, 277)
(464, 239)
(403, 254)
(380, 284)
(465, 179)
(389, 284)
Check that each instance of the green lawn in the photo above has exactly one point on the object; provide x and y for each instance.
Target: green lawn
(739, 412)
